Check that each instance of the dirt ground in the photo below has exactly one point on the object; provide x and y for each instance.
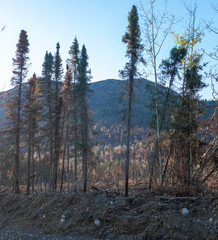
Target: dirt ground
(102, 214)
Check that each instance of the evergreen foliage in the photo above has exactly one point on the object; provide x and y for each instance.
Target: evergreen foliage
(74, 57)
(84, 78)
(14, 106)
(73, 63)
(20, 62)
(47, 90)
(31, 113)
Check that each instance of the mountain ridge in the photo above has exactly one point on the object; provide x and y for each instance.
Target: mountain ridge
(106, 105)
(104, 102)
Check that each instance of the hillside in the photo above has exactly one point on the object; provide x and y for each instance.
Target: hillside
(105, 102)
(107, 107)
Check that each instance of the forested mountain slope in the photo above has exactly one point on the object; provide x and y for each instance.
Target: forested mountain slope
(109, 108)
(106, 105)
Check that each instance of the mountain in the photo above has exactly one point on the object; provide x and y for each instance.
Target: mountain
(108, 109)
(105, 104)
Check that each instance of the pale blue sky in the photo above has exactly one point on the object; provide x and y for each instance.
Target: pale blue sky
(99, 24)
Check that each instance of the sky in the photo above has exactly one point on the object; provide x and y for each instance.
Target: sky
(99, 24)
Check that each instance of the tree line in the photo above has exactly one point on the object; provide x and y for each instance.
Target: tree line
(46, 114)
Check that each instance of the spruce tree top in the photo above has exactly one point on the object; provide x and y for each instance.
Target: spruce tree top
(21, 59)
(58, 64)
(47, 66)
(74, 53)
(133, 35)
(83, 64)
(83, 76)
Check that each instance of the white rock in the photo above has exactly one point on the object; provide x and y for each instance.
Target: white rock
(63, 218)
(210, 220)
(185, 211)
(97, 222)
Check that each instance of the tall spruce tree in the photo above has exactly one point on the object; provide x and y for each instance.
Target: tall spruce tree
(74, 58)
(47, 94)
(58, 71)
(83, 78)
(31, 111)
(67, 101)
(133, 40)
(20, 63)
(73, 63)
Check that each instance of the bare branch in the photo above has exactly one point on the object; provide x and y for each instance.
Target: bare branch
(160, 23)
(215, 7)
(210, 28)
(212, 55)
(165, 36)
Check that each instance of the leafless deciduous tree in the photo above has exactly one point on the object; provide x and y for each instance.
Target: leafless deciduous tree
(156, 29)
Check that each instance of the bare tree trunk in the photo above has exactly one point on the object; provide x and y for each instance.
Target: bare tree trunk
(40, 169)
(85, 171)
(28, 166)
(50, 159)
(17, 148)
(130, 93)
(57, 142)
(63, 164)
(75, 148)
(85, 145)
(68, 160)
(156, 100)
(189, 145)
(33, 169)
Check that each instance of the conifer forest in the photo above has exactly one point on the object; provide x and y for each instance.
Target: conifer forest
(149, 138)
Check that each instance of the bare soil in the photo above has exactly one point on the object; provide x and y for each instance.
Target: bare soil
(102, 214)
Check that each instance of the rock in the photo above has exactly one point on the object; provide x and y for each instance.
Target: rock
(63, 218)
(97, 222)
(185, 211)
